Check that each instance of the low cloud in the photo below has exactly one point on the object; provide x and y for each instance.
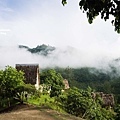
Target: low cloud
(38, 22)
(62, 57)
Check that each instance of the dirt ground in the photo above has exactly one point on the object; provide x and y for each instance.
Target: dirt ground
(28, 112)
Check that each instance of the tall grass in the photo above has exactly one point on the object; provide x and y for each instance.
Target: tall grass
(46, 100)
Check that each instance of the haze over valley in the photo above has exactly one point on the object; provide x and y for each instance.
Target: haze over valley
(51, 56)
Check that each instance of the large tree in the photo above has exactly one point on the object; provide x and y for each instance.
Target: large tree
(104, 8)
(10, 80)
(80, 103)
(12, 87)
(53, 79)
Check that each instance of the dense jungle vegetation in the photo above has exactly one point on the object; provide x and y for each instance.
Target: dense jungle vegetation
(75, 101)
(99, 80)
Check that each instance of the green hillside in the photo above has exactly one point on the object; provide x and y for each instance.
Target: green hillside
(107, 81)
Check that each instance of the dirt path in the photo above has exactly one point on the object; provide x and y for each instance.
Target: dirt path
(28, 112)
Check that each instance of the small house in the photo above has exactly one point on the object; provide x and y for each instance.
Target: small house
(31, 73)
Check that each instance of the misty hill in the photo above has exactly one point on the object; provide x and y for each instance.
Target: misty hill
(79, 73)
(40, 49)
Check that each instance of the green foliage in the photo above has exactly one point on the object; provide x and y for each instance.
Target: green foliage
(117, 110)
(104, 8)
(10, 80)
(80, 103)
(64, 2)
(40, 100)
(100, 80)
(12, 87)
(84, 77)
(22, 92)
(115, 86)
(30, 89)
(53, 79)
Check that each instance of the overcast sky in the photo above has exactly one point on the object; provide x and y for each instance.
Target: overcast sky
(36, 22)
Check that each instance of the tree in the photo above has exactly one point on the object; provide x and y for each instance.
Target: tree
(80, 103)
(12, 87)
(53, 79)
(105, 8)
(117, 110)
(10, 80)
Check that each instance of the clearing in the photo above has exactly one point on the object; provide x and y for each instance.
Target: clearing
(30, 112)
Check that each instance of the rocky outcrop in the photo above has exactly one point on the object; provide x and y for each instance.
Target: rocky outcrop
(108, 99)
(66, 84)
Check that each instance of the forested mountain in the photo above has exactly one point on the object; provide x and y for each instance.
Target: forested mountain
(97, 79)
(40, 49)
(107, 81)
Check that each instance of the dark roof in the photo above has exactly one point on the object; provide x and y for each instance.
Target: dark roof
(27, 64)
(31, 72)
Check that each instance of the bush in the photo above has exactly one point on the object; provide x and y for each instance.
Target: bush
(80, 103)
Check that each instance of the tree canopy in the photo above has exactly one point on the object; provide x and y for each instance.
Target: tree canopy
(104, 8)
(54, 79)
(12, 87)
(80, 103)
(10, 80)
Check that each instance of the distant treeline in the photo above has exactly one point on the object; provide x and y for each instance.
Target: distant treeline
(97, 79)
